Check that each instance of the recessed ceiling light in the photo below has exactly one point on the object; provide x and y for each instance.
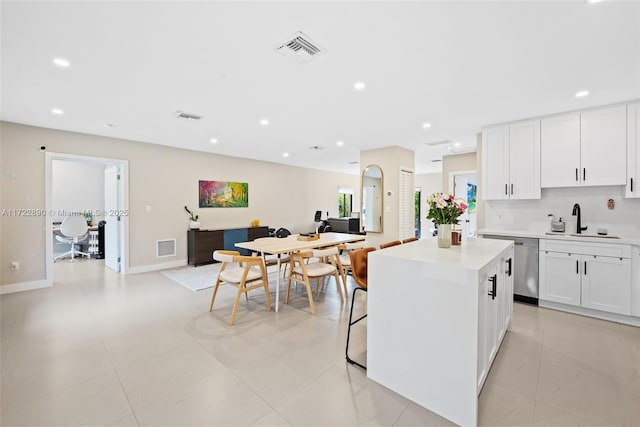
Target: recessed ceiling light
(457, 144)
(426, 125)
(340, 143)
(264, 122)
(57, 111)
(61, 62)
(594, 1)
(109, 125)
(582, 93)
(449, 148)
(213, 141)
(359, 86)
(285, 154)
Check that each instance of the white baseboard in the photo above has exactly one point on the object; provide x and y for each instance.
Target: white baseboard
(612, 317)
(156, 267)
(24, 286)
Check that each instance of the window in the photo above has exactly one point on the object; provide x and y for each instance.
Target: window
(344, 204)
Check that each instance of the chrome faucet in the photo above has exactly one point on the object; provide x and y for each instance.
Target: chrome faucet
(576, 212)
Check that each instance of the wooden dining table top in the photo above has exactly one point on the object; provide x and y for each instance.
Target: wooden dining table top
(291, 243)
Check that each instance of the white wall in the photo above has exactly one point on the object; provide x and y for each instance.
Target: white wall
(76, 186)
(532, 214)
(390, 160)
(162, 179)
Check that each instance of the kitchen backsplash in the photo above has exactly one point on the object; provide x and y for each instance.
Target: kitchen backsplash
(531, 215)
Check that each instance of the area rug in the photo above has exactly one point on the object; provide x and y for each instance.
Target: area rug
(195, 278)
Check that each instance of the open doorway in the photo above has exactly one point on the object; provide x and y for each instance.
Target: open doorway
(96, 188)
(465, 187)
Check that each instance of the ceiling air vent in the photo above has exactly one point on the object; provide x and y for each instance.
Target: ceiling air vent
(300, 48)
(183, 115)
(436, 143)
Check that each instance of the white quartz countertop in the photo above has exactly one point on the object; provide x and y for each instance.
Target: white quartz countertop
(472, 254)
(587, 237)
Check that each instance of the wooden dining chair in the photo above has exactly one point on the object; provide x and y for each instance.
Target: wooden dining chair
(359, 265)
(271, 260)
(249, 273)
(389, 244)
(302, 272)
(409, 240)
(345, 260)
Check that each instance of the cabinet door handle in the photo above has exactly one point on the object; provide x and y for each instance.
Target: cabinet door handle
(585, 268)
(576, 174)
(632, 185)
(584, 174)
(577, 267)
(505, 190)
(512, 189)
(494, 290)
(509, 262)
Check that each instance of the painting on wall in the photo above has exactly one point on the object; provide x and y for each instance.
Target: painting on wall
(222, 194)
(472, 194)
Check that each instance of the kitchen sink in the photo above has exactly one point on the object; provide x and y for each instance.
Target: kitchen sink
(595, 235)
(551, 233)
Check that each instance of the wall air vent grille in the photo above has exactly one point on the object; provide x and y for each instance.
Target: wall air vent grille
(183, 115)
(300, 48)
(166, 247)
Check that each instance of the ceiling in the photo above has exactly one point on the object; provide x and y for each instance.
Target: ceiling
(456, 65)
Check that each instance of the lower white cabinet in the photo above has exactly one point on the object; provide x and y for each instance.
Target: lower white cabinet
(495, 309)
(590, 275)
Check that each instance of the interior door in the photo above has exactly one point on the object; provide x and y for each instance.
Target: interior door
(113, 225)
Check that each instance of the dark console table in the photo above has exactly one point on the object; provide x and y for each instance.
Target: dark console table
(202, 243)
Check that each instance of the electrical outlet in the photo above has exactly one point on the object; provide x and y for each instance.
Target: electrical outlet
(15, 265)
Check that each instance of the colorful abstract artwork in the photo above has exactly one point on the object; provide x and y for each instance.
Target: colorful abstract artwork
(472, 195)
(222, 194)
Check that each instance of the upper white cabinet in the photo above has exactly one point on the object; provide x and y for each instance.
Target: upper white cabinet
(584, 149)
(633, 151)
(603, 146)
(560, 151)
(511, 161)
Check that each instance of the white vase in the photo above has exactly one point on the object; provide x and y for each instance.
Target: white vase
(194, 225)
(444, 235)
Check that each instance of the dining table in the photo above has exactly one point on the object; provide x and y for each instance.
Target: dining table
(296, 243)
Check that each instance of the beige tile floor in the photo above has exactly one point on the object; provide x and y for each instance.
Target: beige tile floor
(141, 350)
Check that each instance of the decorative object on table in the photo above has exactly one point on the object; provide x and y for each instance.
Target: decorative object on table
(444, 210)
(193, 220)
(307, 237)
(255, 223)
(222, 194)
(456, 237)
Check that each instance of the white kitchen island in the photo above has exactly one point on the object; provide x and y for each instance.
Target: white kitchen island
(436, 320)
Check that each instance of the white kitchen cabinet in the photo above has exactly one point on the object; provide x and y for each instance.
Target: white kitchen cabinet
(635, 281)
(606, 284)
(560, 151)
(584, 149)
(589, 275)
(603, 146)
(511, 161)
(633, 151)
(560, 277)
(495, 163)
(495, 310)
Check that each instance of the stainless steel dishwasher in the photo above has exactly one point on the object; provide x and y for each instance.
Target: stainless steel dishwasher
(525, 281)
